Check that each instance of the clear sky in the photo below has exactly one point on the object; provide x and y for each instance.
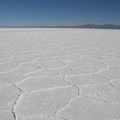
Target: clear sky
(59, 12)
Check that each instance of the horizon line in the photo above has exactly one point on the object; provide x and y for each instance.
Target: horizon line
(97, 26)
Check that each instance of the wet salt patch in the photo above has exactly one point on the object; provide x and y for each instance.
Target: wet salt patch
(8, 95)
(103, 92)
(41, 83)
(45, 103)
(84, 80)
(83, 108)
(10, 65)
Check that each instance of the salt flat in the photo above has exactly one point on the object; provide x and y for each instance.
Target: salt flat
(59, 74)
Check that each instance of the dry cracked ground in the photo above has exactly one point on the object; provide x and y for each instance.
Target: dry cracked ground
(59, 74)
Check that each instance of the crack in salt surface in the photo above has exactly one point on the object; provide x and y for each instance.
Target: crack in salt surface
(41, 90)
(65, 106)
(16, 101)
(20, 65)
(72, 99)
(75, 86)
(26, 78)
(11, 69)
(68, 103)
(13, 108)
(114, 86)
(79, 95)
(40, 70)
(100, 99)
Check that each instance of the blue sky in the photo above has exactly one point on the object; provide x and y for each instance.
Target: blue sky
(59, 12)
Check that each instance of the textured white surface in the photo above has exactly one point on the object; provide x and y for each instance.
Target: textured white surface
(59, 74)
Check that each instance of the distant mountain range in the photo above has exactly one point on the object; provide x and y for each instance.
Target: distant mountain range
(94, 26)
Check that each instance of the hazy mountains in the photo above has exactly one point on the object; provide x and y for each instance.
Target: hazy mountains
(104, 26)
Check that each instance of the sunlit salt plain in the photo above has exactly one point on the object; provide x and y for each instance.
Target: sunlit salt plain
(59, 74)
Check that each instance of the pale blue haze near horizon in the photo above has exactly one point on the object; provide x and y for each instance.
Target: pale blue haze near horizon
(59, 12)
